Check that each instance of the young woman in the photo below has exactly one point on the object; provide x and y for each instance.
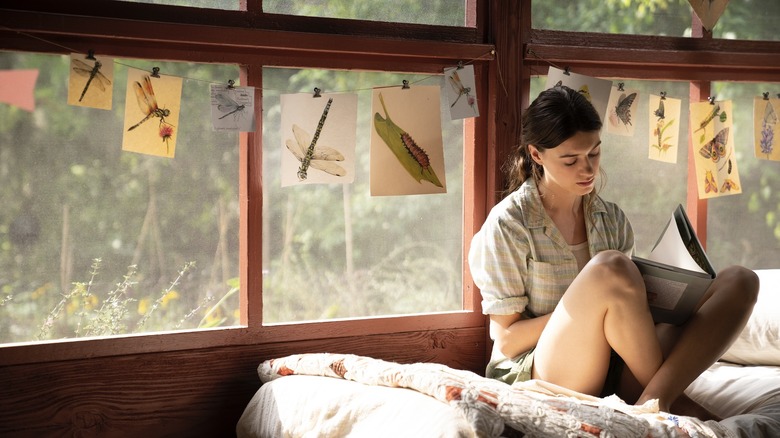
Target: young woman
(566, 303)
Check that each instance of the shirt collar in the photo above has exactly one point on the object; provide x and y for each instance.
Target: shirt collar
(531, 202)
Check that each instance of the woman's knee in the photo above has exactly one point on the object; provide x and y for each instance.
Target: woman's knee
(739, 284)
(613, 268)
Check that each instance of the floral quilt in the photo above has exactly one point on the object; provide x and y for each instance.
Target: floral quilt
(495, 409)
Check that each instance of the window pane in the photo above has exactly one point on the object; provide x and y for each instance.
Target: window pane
(71, 196)
(333, 251)
(744, 229)
(442, 12)
(637, 17)
(230, 5)
(751, 20)
(647, 190)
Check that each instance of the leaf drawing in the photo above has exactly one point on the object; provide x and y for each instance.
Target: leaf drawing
(412, 157)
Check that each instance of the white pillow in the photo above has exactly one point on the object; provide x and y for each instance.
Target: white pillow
(759, 342)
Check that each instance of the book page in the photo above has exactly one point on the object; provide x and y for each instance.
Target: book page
(671, 249)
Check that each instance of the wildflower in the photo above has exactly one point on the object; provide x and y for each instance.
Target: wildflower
(143, 305)
(166, 132)
(172, 295)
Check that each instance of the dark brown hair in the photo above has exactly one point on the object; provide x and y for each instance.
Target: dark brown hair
(552, 118)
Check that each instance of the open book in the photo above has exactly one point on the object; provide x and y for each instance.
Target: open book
(677, 272)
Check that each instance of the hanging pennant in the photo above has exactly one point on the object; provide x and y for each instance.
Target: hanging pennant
(708, 11)
(17, 88)
(232, 108)
(765, 127)
(596, 90)
(318, 138)
(712, 140)
(621, 109)
(461, 92)
(90, 81)
(152, 106)
(407, 153)
(664, 125)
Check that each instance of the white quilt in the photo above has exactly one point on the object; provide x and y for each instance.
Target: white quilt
(489, 408)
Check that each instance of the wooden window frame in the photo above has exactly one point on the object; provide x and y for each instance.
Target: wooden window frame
(253, 40)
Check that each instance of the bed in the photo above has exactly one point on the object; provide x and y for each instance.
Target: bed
(323, 394)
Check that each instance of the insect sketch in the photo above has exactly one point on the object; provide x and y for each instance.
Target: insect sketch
(93, 74)
(715, 149)
(621, 113)
(147, 102)
(457, 85)
(306, 150)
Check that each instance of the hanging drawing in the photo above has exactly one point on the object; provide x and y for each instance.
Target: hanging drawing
(712, 140)
(621, 108)
(597, 91)
(318, 138)
(664, 126)
(708, 11)
(152, 104)
(90, 81)
(765, 126)
(461, 92)
(232, 108)
(407, 154)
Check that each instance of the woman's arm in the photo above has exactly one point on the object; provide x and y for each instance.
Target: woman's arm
(513, 334)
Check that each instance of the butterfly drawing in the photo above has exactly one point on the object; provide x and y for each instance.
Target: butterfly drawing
(622, 111)
(709, 183)
(322, 157)
(770, 116)
(716, 148)
(728, 185)
(659, 112)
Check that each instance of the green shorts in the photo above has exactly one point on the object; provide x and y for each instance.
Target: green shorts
(519, 369)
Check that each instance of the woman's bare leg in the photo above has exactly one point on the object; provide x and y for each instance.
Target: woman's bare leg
(604, 308)
(705, 337)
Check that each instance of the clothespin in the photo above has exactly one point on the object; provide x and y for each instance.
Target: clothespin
(663, 95)
(712, 100)
(317, 92)
(405, 85)
(91, 55)
(460, 65)
(155, 72)
(620, 86)
(766, 95)
(566, 71)
(231, 84)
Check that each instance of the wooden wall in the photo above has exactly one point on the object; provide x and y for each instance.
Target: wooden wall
(186, 393)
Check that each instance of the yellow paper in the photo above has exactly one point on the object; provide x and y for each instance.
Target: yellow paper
(712, 138)
(151, 113)
(91, 81)
(765, 127)
(664, 126)
(415, 112)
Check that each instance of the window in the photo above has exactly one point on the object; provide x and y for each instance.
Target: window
(334, 251)
(442, 12)
(96, 241)
(80, 210)
(742, 228)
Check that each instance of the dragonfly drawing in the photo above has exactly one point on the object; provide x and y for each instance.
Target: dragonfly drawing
(227, 105)
(93, 74)
(322, 157)
(462, 90)
(148, 103)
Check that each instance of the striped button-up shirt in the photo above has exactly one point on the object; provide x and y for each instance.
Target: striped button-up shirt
(520, 260)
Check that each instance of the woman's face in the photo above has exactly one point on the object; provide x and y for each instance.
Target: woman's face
(573, 165)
